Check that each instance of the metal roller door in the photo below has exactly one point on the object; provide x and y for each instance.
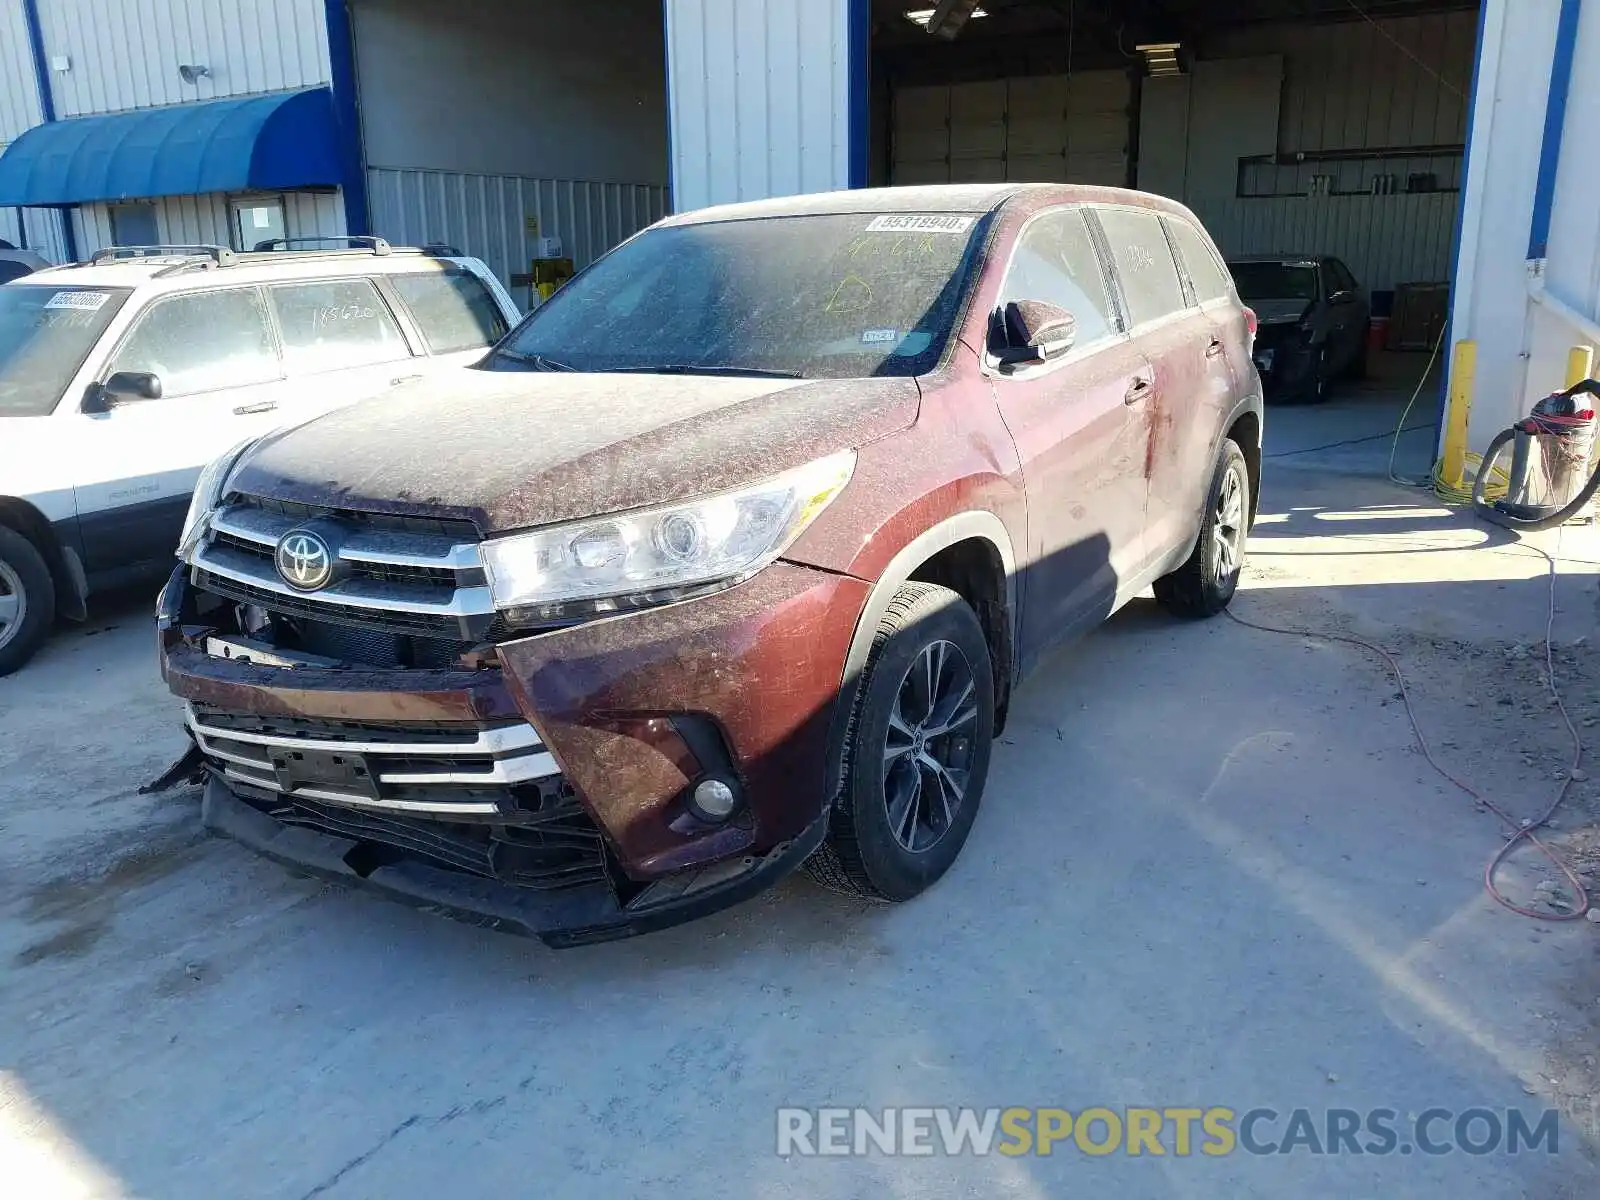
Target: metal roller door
(1049, 128)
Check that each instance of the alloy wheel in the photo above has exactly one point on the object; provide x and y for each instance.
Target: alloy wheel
(1227, 543)
(13, 603)
(927, 750)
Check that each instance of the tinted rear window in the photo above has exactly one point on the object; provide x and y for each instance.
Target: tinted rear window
(453, 309)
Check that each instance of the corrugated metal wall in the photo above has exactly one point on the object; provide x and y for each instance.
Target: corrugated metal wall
(1048, 128)
(19, 92)
(496, 217)
(125, 53)
(1360, 85)
(760, 98)
(204, 220)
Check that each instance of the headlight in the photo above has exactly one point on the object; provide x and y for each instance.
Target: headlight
(615, 562)
(207, 493)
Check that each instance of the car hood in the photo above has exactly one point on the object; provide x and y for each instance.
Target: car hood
(511, 451)
(1279, 312)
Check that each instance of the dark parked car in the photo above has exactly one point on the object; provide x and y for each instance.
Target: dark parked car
(728, 558)
(1314, 319)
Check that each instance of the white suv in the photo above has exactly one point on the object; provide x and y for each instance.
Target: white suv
(122, 377)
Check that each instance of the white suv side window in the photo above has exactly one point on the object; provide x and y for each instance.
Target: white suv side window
(202, 342)
(335, 323)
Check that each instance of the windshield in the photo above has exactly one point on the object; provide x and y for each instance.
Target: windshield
(45, 334)
(1275, 280)
(827, 296)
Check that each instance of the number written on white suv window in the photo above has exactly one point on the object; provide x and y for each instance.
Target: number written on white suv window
(334, 324)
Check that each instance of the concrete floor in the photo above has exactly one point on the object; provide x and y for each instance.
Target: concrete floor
(1211, 870)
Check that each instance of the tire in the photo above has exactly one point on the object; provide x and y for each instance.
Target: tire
(1206, 582)
(27, 600)
(863, 855)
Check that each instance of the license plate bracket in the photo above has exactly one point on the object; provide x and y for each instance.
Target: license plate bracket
(334, 769)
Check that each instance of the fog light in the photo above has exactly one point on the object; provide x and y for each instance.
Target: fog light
(714, 800)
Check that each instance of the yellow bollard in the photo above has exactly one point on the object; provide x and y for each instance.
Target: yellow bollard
(1580, 364)
(1463, 371)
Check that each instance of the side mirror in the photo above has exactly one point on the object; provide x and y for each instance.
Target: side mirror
(133, 385)
(1030, 331)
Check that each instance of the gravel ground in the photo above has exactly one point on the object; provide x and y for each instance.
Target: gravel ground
(1211, 870)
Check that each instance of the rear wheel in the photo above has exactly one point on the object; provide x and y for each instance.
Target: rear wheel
(27, 600)
(918, 750)
(1205, 584)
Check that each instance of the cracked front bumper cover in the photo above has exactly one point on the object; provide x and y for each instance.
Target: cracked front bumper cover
(561, 919)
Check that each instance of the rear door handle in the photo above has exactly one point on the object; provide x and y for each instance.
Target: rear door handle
(1138, 389)
(1214, 350)
(250, 410)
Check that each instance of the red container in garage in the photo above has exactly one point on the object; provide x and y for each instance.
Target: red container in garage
(1377, 337)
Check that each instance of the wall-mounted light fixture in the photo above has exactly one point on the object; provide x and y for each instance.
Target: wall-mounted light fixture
(1161, 58)
(948, 19)
(193, 72)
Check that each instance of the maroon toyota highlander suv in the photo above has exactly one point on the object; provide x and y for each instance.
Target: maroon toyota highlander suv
(727, 559)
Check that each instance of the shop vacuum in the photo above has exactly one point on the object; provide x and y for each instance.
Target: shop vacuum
(1550, 481)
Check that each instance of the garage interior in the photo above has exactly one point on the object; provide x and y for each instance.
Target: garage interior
(1332, 127)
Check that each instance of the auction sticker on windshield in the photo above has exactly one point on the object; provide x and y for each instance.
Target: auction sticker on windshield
(920, 223)
(83, 300)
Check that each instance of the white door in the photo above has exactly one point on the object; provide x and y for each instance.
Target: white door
(220, 378)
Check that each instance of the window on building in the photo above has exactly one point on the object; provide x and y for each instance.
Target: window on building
(453, 309)
(1056, 261)
(335, 323)
(1150, 281)
(202, 343)
(257, 220)
(134, 225)
(1210, 281)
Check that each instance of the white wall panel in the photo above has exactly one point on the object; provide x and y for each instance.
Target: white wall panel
(19, 91)
(759, 98)
(125, 53)
(489, 215)
(558, 89)
(205, 220)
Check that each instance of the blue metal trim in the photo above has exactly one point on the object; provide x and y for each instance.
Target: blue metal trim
(347, 114)
(859, 32)
(47, 106)
(1448, 345)
(1555, 120)
(672, 157)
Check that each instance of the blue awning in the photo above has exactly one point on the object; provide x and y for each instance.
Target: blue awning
(285, 140)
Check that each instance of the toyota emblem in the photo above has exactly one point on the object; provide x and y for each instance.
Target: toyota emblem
(304, 560)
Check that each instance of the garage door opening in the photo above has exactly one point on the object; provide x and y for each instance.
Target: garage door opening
(1308, 129)
(493, 126)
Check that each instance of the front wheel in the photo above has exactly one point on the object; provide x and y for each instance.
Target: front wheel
(27, 600)
(1205, 584)
(917, 753)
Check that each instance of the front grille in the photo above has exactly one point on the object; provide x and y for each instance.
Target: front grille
(292, 604)
(458, 530)
(492, 771)
(433, 577)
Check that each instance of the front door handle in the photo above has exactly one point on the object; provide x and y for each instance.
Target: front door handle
(1138, 389)
(250, 410)
(1215, 349)
(399, 379)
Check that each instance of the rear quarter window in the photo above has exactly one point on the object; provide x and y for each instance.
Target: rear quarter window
(1150, 281)
(454, 310)
(1210, 281)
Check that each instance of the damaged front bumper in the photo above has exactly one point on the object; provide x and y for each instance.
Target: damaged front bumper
(542, 785)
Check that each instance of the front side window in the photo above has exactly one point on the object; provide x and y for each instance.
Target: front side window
(454, 310)
(1205, 273)
(1056, 261)
(335, 323)
(835, 295)
(202, 342)
(45, 334)
(1151, 284)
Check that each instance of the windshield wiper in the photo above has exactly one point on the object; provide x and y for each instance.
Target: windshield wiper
(705, 369)
(537, 361)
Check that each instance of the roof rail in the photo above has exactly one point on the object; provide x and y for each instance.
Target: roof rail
(376, 245)
(220, 255)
